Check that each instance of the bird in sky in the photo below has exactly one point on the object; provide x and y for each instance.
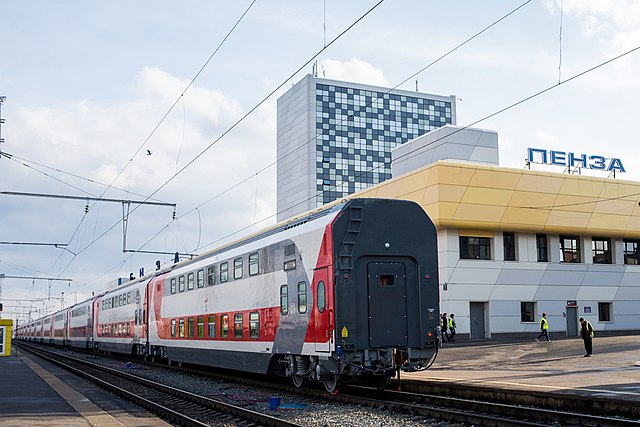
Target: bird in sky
(148, 152)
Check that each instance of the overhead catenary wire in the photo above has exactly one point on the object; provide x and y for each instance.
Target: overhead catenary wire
(202, 152)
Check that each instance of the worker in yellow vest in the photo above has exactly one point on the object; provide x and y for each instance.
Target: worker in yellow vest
(586, 332)
(544, 328)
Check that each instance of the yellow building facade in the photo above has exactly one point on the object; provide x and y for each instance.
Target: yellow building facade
(516, 242)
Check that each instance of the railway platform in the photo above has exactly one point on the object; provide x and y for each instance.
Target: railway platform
(554, 370)
(36, 393)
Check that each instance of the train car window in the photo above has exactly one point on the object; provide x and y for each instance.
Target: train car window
(237, 268)
(128, 297)
(190, 281)
(254, 325)
(224, 272)
(237, 325)
(181, 328)
(190, 323)
(181, 284)
(289, 250)
(201, 326)
(211, 326)
(135, 317)
(173, 327)
(211, 275)
(120, 300)
(137, 297)
(386, 280)
(284, 299)
(224, 326)
(200, 278)
(140, 316)
(173, 285)
(302, 297)
(321, 296)
(289, 265)
(128, 328)
(253, 264)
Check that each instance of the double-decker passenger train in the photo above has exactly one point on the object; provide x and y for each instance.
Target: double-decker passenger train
(348, 291)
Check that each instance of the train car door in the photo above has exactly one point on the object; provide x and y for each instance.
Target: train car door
(387, 304)
(321, 310)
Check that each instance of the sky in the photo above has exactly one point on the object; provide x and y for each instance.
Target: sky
(91, 86)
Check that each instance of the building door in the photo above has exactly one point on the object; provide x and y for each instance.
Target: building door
(476, 320)
(572, 321)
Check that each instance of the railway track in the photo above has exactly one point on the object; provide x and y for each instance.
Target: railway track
(425, 408)
(177, 406)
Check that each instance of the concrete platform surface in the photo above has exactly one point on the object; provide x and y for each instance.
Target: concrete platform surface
(555, 367)
(36, 393)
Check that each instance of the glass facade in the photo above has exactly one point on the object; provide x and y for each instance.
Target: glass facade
(357, 129)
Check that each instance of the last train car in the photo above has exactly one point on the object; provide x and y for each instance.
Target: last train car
(345, 292)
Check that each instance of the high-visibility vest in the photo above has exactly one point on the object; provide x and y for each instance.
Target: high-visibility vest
(451, 323)
(544, 324)
(588, 326)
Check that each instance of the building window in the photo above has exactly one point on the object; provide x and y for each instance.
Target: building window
(475, 248)
(181, 283)
(284, 299)
(569, 249)
(237, 325)
(224, 326)
(604, 312)
(200, 278)
(200, 326)
(237, 268)
(509, 241)
(601, 250)
(211, 326)
(631, 252)
(211, 275)
(190, 281)
(527, 311)
(302, 297)
(224, 272)
(253, 264)
(254, 325)
(542, 244)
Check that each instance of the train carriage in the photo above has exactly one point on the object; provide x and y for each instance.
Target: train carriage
(80, 325)
(118, 319)
(348, 291)
(59, 328)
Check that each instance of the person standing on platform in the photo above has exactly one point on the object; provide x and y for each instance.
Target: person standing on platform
(544, 328)
(444, 329)
(452, 327)
(586, 332)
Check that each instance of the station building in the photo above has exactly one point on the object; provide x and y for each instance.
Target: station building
(514, 243)
(335, 138)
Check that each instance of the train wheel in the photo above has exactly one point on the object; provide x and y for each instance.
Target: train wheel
(298, 381)
(332, 384)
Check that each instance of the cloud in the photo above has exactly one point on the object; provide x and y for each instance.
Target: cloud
(352, 70)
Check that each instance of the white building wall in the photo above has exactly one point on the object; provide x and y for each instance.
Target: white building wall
(503, 285)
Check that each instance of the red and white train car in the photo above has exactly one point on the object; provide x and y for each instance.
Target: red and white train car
(347, 291)
(118, 319)
(59, 328)
(80, 325)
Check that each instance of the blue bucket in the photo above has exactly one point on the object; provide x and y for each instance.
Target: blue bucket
(274, 402)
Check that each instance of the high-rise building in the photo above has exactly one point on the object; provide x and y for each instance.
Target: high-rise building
(335, 138)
